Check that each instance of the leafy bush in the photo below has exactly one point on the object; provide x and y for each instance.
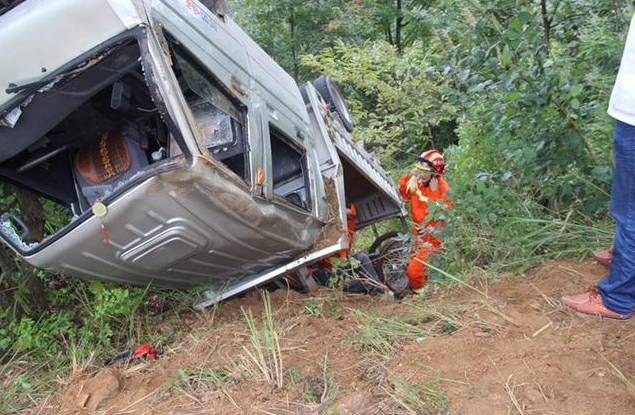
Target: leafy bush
(90, 316)
(530, 153)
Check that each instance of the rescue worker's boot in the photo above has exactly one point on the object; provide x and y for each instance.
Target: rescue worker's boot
(416, 271)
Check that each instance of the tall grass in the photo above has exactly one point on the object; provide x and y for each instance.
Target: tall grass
(521, 241)
(379, 334)
(263, 357)
(557, 238)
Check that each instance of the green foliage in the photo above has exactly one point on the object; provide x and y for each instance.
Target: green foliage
(81, 322)
(41, 337)
(312, 307)
(397, 99)
(516, 98)
(110, 313)
(100, 324)
(287, 29)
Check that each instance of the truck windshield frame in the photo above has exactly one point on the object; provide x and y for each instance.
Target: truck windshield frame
(220, 118)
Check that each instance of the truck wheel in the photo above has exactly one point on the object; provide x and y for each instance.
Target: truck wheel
(331, 94)
(377, 244)
(391, 260)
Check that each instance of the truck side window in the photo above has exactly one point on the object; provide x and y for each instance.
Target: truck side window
(219, 118)
(289, 170)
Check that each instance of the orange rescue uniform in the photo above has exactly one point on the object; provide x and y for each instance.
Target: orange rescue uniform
(351, 223)
(427, 242)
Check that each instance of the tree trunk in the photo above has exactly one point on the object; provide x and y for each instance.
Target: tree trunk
(35, 218)
(546, 23)
(388, 32)
(398, 26)
(33, 214)
(7, 268)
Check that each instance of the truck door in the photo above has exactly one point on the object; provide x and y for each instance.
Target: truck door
(256, 201)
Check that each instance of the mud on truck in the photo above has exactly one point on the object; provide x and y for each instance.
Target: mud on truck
(177, 152)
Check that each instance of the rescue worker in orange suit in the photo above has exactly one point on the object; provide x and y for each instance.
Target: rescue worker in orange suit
(424, 186)
(351, 224)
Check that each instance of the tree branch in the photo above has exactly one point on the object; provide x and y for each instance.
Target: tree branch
(555, 10)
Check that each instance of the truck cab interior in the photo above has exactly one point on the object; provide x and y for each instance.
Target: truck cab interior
(88, 133)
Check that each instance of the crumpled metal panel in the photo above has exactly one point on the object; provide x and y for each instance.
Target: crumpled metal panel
(183, 228)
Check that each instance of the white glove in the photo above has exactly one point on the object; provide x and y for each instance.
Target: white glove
(413, 184)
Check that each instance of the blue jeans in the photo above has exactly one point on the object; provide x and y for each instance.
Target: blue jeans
(618, 289)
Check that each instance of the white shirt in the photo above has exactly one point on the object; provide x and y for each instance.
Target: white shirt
(622, 104)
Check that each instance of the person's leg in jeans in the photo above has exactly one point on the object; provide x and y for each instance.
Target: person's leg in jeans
(367, 266)
(614, 297)
(618, 289)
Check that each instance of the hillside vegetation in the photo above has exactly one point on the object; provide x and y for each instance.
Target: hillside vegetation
(513, 91)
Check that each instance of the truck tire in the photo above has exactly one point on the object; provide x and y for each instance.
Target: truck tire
(375, 247)
(331, 94)
(390, 260)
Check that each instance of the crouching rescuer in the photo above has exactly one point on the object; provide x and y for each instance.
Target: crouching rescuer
(366, 280)
(427, 191)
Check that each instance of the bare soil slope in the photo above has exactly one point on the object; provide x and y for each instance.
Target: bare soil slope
(501, 348)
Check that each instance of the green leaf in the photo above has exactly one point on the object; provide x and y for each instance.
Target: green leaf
(506, 56)
(516, 24)
(96, 287)
(576, 90)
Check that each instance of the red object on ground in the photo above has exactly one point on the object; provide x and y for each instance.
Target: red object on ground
(427, 244)
(603, 257)
(146, 350)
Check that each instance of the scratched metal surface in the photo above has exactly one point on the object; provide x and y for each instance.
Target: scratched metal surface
(183, 228)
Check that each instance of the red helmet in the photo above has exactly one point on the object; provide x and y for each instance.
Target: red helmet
(433, 159)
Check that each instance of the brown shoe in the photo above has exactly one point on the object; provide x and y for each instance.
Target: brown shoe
(603, 257)
(590, 302)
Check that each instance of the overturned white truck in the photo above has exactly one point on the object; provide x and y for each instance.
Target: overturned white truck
(181, 154)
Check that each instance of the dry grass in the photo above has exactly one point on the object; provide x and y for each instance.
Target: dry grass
(378, 335)
(621, 377)
(511, 392)
(404, 397)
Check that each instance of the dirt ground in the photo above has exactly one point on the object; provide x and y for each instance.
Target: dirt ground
(492, 348)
